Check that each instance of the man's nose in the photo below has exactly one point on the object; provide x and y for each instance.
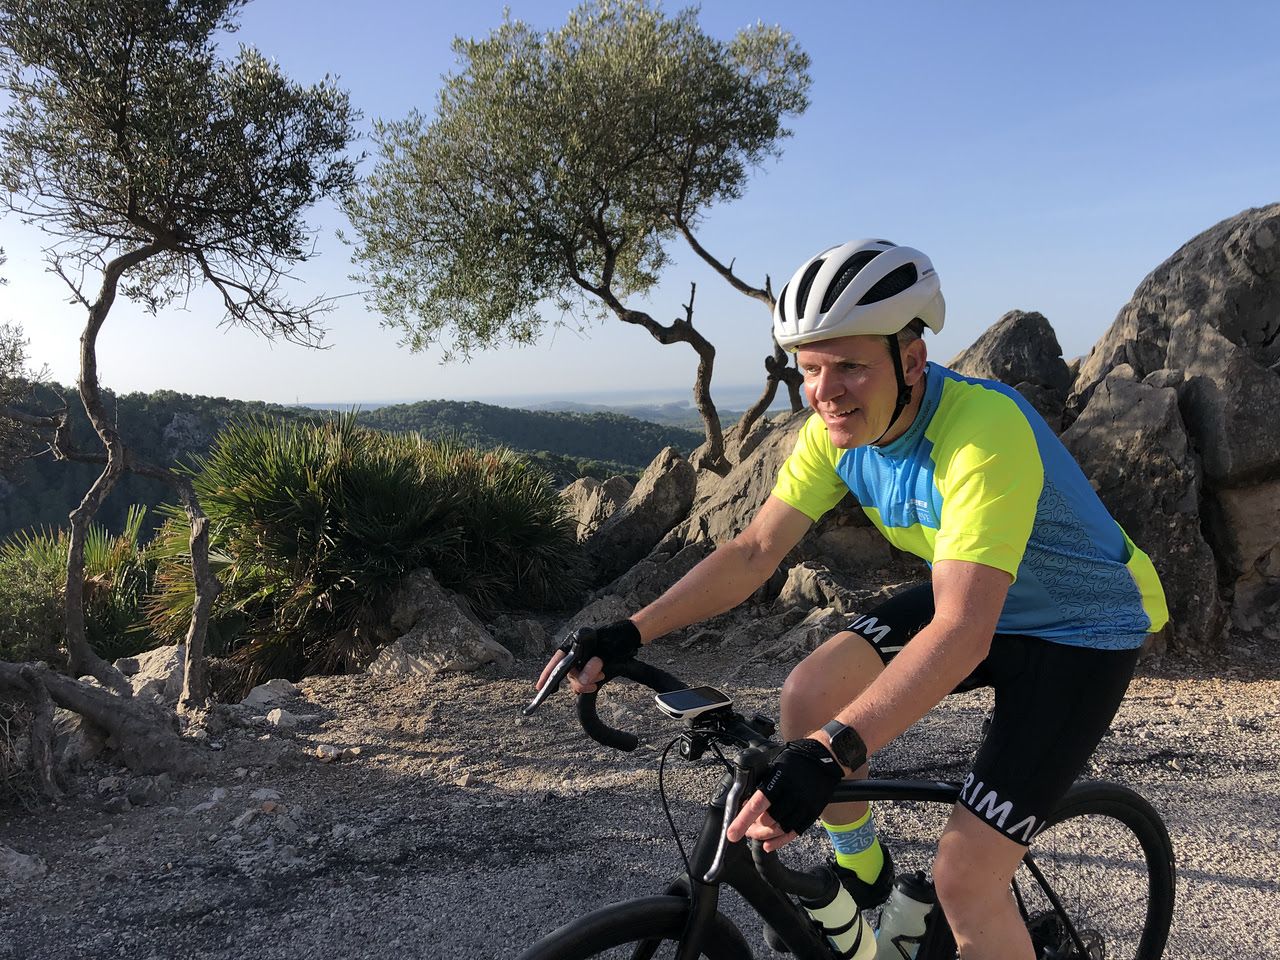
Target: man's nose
(827, 386)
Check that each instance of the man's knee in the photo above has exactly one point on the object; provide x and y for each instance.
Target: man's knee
(825, 681)
(973, 868)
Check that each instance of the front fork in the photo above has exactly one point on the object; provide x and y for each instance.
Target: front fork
(737, 869)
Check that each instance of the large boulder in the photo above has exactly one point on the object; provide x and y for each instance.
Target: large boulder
(1227, 278)
(1230, 401)
(439, 634)
(1131, 443)
(1207, 323)
(1022, 350)
(591, 502)
(156, 674)
(660, 500)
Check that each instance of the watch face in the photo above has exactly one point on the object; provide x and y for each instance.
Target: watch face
(848, 747)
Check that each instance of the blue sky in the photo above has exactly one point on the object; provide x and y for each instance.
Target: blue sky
(1046, 156)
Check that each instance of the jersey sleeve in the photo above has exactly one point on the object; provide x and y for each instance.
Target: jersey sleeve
(808, 480)
(990, 475)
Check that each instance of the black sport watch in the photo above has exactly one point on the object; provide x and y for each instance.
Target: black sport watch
(846, 745)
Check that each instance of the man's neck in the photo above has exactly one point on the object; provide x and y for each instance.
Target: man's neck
(907, 417)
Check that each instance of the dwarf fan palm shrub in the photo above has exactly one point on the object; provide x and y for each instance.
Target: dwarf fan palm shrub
(119, 574)
(313, 525)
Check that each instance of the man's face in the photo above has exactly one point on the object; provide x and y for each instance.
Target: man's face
(850, 383)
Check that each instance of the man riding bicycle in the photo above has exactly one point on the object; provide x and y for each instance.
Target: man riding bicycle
(1035, 590)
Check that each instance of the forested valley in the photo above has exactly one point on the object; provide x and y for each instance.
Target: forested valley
(167, 426)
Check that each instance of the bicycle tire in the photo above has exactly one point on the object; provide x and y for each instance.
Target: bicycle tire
(1106, 854)
(637, 930)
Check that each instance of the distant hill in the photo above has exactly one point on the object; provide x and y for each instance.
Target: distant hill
(166, 427)
(596, 436)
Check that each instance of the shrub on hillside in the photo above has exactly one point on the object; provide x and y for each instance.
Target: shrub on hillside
(313, 526)
(118, 575)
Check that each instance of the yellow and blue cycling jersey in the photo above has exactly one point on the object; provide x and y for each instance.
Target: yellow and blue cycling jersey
(979, 476)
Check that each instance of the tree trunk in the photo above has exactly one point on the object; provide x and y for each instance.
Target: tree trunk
(712, 457)
(680, 331)
(83, 659)
(779, 369)
(195, 681)
(42, 760)
(141, 733)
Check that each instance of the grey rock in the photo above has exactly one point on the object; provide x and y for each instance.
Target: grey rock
(270, 693)
(1131, 443)
(527, 637)
(649, 578)
(19, 867)
(281, 718)
(441, 634)
(117, 804)
(659, 501)
(148, 790)
(810, 584)
(159, 674)
(1231, 404)
(591, 502)
(1226, 278)
(1021, 350)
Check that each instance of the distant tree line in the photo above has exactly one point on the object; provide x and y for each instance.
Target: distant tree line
(167, 426)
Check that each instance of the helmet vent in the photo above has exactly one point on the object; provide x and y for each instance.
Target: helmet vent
(891, 284)
(802, 294)
(782, 302)
(852, 267)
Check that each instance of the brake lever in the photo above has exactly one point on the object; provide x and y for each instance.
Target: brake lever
(553, 681)
(732, 804)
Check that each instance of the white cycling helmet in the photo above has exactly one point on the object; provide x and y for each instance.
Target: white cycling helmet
(860, 287)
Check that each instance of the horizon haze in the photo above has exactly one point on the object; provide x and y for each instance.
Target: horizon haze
(1045, 157)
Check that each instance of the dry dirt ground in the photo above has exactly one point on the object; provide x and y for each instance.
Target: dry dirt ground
(465, 831)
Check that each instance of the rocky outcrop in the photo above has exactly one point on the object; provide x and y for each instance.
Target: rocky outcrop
(1225, 278)
(1022, 350)
(437, 633)
(1131, 443)
(1206, 322)
(660, 500)
(591, 502)
(156, 674)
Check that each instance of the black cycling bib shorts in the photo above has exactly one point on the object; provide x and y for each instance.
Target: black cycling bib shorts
(1053, 704)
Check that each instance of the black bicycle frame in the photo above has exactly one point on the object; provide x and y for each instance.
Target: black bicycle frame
(777, 909)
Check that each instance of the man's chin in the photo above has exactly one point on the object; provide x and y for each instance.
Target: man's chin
(844, 439)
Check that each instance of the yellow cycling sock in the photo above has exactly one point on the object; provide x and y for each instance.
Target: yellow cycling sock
(857, 846)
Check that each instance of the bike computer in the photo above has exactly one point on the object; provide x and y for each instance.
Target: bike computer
(689, 703)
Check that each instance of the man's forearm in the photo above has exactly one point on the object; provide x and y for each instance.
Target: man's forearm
(923, 672)
(719, 583)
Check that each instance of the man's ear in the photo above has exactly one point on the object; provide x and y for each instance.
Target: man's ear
(914, 355)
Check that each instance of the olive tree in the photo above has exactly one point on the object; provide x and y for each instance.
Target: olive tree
(557, 168)
(158, 166)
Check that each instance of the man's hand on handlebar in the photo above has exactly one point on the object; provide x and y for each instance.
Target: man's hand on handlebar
(795, 789)
(612, 643)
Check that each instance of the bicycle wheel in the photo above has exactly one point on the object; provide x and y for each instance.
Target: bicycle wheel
(1106, 858)
(642, 929)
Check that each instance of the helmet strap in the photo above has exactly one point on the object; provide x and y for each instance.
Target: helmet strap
(904, 391)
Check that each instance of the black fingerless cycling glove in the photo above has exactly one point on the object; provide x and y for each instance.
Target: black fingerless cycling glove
(612, 643)
(799, 783)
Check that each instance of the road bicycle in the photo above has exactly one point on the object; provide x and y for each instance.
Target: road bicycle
(1096, 884)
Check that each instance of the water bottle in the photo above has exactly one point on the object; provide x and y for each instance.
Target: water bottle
(846, 930)
(902, 920)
